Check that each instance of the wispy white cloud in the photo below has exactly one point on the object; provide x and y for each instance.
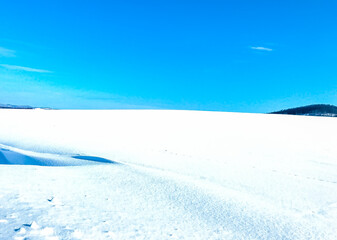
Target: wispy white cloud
(26, 69)
(262, 49)
(4, 52)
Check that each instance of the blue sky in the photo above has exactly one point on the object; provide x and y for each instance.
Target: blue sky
(241, 56)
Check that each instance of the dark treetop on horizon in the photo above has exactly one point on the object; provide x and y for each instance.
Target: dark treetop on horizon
(311, 110)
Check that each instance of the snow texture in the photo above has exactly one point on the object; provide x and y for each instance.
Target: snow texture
(142, 174)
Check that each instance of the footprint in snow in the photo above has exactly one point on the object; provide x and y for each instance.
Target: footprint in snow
(32, 225)
(20, 230)
(33, 229)
(55, 201)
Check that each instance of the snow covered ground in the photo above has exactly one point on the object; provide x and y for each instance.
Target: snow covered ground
(142, 174)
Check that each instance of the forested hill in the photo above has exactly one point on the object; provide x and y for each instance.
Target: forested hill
(311, 110)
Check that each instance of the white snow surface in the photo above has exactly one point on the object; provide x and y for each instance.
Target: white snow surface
(165, 174)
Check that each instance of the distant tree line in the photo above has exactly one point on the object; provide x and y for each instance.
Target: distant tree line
(9, 106)
(311, 110)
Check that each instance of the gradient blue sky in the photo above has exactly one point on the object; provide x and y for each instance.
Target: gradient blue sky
(242, 56)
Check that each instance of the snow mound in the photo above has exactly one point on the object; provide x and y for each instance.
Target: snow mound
(11, 155)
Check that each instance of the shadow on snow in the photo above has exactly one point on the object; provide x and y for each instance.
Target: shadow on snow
(10, 157)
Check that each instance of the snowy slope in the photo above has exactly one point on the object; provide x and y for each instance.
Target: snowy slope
(173, 175)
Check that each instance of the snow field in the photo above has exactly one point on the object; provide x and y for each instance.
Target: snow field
(179, 175)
